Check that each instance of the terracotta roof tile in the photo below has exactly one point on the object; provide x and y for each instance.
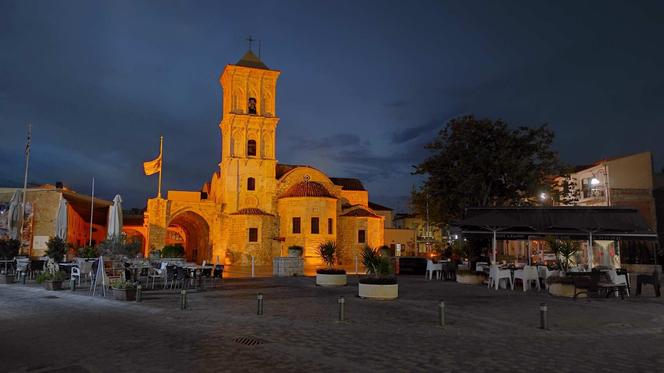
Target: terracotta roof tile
(307, 189)
(361, 212)
(347, 183)
(250, 211)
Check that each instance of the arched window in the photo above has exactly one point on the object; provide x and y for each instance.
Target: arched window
(251, 147)
(251, 183)
(251, 106)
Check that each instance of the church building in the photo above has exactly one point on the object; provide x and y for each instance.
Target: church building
(254, 205)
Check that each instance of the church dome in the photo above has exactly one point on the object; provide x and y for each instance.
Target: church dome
(307, 189)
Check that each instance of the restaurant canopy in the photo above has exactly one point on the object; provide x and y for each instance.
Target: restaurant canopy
(521, 222)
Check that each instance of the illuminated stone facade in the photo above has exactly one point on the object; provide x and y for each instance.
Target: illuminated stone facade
(254, 206)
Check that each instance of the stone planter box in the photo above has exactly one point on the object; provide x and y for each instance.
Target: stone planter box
(53, 285)
(6, 279)
(563, 290)
(124, 294)
(470, 279)
(379, 292)
(331, 280)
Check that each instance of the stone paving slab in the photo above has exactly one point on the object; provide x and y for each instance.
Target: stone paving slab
(487, 330)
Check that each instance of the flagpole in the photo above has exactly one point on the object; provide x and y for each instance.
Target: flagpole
(161, 163)
(92, 210)
(25, 182)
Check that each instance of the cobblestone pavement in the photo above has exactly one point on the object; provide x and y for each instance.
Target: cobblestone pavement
(487, 330)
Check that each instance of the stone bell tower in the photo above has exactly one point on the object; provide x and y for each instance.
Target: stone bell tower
(248, 130)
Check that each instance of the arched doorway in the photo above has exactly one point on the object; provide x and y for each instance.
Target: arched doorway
(195, 235)
(135, 235)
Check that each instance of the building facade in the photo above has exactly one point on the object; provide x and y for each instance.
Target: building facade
(253, 206)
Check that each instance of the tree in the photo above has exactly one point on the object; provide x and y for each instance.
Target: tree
(481, 162)
(565, 191)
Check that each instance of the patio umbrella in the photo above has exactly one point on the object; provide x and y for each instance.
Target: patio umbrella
(14, 215)
(61, 220)
(115, 218)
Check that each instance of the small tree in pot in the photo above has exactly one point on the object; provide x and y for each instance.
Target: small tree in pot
(329, 276)
(51, 277)
(380, 282)
(564, 251)
(56, 249)
(123, 290)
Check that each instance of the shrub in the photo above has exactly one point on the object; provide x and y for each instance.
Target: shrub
(57, 248)
(564, 250)
(327, 251)
(119, 247)
(295, 249)
(331, 271)
(121, 284)
(377, 266)
(172, 251)
(87, 252)
(51, 276)
(9, 248)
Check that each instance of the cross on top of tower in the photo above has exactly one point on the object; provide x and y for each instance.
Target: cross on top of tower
(250, 40)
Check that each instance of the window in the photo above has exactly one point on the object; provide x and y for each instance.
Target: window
(330, 226)
(253, 234)
(251, 183)
(361, 236)
(296, 225)
(251, 147)
(314, 225)
(251, 106)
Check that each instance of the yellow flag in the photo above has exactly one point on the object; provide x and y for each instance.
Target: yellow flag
(153, 166)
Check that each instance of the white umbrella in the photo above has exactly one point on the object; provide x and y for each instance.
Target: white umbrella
(115, 218)
(13, 223)
(61, 220)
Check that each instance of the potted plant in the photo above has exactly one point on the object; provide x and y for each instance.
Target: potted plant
(56, 249)
(123, 290)
(564, 251)
(8, 250)
(172, 251)
(87, 252)
(329, 276)
(295, 251)
(561, 286)
(51, 277)
(380, 282)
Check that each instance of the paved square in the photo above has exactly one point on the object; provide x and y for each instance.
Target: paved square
(487, 330)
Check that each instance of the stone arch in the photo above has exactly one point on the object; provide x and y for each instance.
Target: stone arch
(137, 234)
(197, 245)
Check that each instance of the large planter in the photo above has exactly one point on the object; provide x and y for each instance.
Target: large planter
(563, 290)
(124, 294)
(470, 279)
(52, 285)
(331, 280)
(379, 292)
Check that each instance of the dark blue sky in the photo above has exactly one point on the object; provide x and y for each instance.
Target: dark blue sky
(364, 84)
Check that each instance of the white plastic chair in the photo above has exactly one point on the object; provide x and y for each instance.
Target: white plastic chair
(22, 266)
(431, 268)
(496, 274)
(617, 279)
(527, 275)
(155, 273)
(544, 273)
(76, 272)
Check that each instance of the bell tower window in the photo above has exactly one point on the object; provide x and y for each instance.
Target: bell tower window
(251, 147)
(251, 106)
(251, 183)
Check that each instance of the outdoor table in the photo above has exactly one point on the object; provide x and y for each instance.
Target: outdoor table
(6, 261)
(136, 270)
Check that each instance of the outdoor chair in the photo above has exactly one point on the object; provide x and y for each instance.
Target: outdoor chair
(496, 274)
(36, 267)
(449, 271)
(181, 277)
(527, 275)
(587, 283)
(170, 275)
(155, 273)
(22, 267)
(205, 274)
(654, 280)
(618, 280)
(76, 274)
(431, 268)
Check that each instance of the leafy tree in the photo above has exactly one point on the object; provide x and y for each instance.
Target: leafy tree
(482, 162)
(119, 247)
(172, 251)
(565, 191)
(56, 249)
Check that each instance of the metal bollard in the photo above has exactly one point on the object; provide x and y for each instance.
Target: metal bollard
(183, 299)
(72, 284)
(259, 298)
(544, 316)
(342, 308)
(23, 275)
(139, 293)
(441, 313)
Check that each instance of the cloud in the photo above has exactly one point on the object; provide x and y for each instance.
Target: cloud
(410, 133)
